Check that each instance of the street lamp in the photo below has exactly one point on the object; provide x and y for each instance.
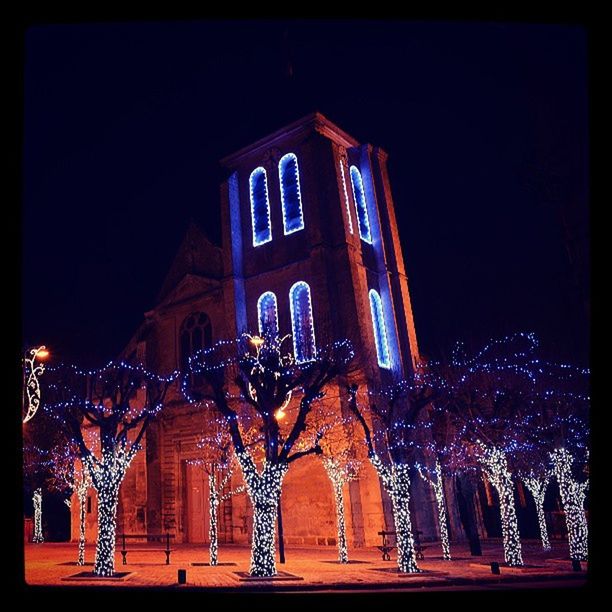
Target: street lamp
(32, 387)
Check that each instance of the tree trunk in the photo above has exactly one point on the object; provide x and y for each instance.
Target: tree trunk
(339, 498)
(263, 557)
(82, 494)
(495, 465)
(572, 498)
(438, 486)
(264, 491)
(539, 504)
(510, 532)
(108, 496)
(465, 502)
(399, 491)
(577, 528)
(38, 532)
(212, 528)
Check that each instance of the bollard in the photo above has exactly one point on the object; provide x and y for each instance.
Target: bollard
(576, 565)
(182, 576)
(494, 567)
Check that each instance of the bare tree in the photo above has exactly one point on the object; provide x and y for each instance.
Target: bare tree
(392, 455)
(119, 400)
(276, 393)
(218, 461)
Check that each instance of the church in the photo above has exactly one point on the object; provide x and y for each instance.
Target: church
(310, 245)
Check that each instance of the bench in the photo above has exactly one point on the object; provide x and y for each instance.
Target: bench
(156, 537)
(386, 547)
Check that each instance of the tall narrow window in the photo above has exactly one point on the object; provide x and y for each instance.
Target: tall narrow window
(260, 207)
(267, 313)
(346, 198)
(360, 202)
(304, 347)
(289, 176)
(195, 334)
(380, 330)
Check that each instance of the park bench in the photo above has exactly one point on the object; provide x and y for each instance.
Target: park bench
(386, 547)
(155, 537)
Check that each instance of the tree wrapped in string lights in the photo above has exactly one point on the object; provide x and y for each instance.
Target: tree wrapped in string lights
(253, 380)
(396, 417)
(559, 430)
(537, 483)
(342, 465)
(119, 400)
(489, 398)
(573, 495)
(435, 480)
(40, 439)
(218, 461)
(71, 477)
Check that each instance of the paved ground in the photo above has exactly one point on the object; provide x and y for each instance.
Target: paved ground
(315, 569)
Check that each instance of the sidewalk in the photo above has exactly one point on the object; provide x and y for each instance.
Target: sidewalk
(314, 568)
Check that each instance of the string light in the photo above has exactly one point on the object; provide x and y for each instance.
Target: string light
(260, 207)
(302, 323)
(437, 484)
(537, 485)
(265, 379)
(396, 480)
(395, 476)
(346, 198)
(363, 220)
(380, 330)
(495, 465)
(340, 469)
(573, 494)
(38, 532)
(98, 395)
(291, 198)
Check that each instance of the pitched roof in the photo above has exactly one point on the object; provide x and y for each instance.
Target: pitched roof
(197, 255)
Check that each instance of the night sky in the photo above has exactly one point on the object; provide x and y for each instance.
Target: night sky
(486, 126)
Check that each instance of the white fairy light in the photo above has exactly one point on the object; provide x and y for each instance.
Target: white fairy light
(396, 480)
(495, 466)
(437, 484)
(537, 486)
(573, 494)
(340, 472)
(38, 532)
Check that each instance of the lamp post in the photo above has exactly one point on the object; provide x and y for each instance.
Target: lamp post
(32, 370)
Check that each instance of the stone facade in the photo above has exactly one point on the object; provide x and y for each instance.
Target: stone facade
(162, 491)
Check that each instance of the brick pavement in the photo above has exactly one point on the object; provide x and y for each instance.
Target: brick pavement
(50, 564)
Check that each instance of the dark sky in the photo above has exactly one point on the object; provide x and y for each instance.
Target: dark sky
(486, 126)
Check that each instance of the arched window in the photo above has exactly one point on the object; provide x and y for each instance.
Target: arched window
(360, 202)
(304, 347)
(267, 314)
(195, 334)
(260, 207)
(380, 330)
(289, 176)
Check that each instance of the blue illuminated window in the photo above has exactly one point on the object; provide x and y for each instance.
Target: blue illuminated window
(260, 207)
(267, 315)
(289, 175)
(361, 205)
(380, 330)
(304, 347)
